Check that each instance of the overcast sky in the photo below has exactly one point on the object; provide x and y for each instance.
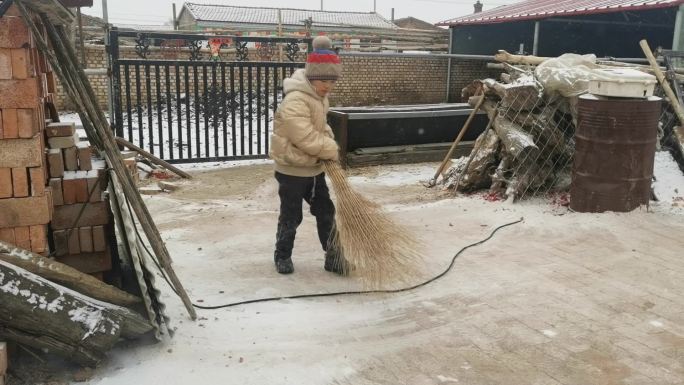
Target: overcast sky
(159, 11)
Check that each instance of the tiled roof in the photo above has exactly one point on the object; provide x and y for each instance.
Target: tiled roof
(540, 9)
(253, 15)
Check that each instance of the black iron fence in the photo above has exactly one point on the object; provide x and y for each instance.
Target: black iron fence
(202, 107)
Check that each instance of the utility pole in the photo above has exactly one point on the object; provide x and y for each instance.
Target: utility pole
(321, 5)
(375, 6)
(105, 12)
(175, 20)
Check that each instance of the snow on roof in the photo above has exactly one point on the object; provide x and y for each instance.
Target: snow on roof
(540, 9)
(257, 15)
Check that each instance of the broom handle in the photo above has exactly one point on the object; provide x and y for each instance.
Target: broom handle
(460, 136)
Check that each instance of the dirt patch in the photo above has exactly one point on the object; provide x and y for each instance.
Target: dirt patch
(226, 182)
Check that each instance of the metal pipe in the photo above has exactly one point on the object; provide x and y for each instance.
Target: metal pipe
(448, 81)
(677, 39)
(424, 56)
(321, 5)
(375, 4)
(105, 12)
(175, 19)
(535, 46)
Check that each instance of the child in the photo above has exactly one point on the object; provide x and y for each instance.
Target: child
(301, 140)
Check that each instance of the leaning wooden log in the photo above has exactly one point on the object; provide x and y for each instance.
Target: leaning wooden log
(477, 171)
(65, 275)
(505, 57)
(519, 96)
(516, 141)
(48, 312)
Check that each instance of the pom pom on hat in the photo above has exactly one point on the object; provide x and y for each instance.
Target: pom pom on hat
(322, 42)
(323, 63)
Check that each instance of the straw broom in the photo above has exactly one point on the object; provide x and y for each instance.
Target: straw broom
(378, 250)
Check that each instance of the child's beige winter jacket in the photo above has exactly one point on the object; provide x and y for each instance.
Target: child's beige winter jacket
(301, 136)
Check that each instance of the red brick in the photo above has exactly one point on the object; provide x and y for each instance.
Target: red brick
(38, 238)
(94, 214)
(61, 242)
(51, 203)
(21, 152)
(20, 63)
(69, 187)
(2, 133)
(20, 183)
(85, 236)
(94, 186)
(23, 237)
(24, 212)
(55, 163)
(70, 158)
(10, 125)
(89, 263)
(85, 155)
(37, 175)
(19, 93)
(57, 194)
(74, 242)
(99, 238)
(52, 82)
(5, 64)
(81, 188)
(7, 235)
(27, 124)
(60, 129)
(5, 183)
(14, 32)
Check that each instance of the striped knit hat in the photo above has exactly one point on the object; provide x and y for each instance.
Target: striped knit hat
(323, 63)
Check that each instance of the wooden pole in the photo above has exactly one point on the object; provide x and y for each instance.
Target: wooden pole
(153, 159)
(674, 100)
(460, 136)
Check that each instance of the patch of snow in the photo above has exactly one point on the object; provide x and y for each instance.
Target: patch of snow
(219, 165)
(407, 175)
(549, 333)
(447, 380)
(657, 324)
(669, 180)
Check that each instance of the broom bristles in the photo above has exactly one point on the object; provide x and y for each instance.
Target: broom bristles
(379, 250)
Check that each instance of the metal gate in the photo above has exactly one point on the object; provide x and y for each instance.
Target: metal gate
(198, 98)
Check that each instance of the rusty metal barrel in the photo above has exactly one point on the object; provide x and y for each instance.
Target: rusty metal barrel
(614, 153)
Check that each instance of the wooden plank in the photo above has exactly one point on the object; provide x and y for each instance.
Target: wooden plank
(21, 153)
(24, 212)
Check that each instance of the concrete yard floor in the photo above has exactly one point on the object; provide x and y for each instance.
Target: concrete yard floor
(562, 298)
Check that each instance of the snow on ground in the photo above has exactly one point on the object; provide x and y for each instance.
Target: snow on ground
(563, 298)
(669, 181)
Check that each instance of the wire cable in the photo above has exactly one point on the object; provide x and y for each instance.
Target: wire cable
(331, 294)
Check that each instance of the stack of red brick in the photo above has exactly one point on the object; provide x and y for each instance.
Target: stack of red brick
(79, 233)
(25, 203)
(73, 203)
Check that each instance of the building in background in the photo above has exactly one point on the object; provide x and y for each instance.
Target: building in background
(364, 31)
(550, 28)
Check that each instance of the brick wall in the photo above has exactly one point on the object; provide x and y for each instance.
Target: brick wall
(378, 80)
(366, 80)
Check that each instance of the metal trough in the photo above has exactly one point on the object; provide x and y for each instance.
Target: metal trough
(402, 134)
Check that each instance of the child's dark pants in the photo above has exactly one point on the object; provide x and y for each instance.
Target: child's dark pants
(292, 191)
